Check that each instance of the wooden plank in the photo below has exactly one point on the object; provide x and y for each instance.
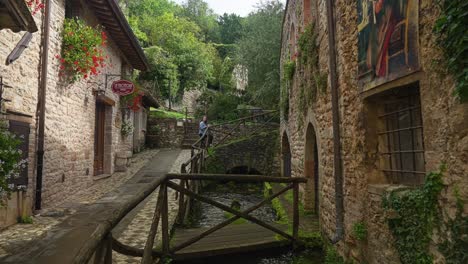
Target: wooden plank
(236, 178)
(229, 240)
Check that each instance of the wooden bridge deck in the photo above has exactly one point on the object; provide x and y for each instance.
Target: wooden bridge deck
(233, 239)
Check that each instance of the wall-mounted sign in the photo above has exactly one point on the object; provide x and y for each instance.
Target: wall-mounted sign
(123, 87)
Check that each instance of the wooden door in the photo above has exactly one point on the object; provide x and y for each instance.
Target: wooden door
(99, 139)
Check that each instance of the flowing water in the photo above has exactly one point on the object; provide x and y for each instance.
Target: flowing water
(247, 196)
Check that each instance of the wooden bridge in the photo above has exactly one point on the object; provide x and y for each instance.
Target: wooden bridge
(221, 239)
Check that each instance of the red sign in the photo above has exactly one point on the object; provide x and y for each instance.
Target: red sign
(123, 87)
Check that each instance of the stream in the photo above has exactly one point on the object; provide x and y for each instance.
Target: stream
(247, 196)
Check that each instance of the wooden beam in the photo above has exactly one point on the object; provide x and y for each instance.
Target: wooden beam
(147, 254)
(235, 178)
(296, 211)
(165, 223)
(229, 221)
(123, 249)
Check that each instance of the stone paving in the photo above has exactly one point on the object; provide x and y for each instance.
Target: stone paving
(133, 232)
(15, 237)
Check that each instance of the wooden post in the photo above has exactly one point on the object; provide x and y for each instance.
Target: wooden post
(103, 254)
(147, 254)
(181, 214)
(296, 212)
(165, 223)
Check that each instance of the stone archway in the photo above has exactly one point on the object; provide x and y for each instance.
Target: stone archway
(286, 156)
(311, 171)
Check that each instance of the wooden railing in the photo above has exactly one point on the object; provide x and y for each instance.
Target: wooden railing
(161, 215)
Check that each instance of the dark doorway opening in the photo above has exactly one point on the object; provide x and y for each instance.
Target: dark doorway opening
(286, 153)
(99, 136)
(312, 171)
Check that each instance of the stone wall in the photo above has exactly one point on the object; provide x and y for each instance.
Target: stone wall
(165, 133)
(251, 146)
(70, 119)
(70, 113)
(23, 78)
(444, 119)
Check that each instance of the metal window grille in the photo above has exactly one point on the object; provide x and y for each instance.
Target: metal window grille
(403, 136)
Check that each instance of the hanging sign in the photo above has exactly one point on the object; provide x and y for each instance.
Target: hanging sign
(123, 87)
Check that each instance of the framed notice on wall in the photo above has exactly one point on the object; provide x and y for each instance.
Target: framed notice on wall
(388, 41)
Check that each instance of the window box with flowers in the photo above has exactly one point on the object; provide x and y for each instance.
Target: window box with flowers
(82, 50)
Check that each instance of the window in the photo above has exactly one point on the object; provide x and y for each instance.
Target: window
(72, 8)
(21, 130)
(402, 137)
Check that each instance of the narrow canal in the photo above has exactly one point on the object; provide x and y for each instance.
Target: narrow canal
(245, 196)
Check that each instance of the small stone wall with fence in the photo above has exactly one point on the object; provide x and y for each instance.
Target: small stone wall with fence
(164, 133)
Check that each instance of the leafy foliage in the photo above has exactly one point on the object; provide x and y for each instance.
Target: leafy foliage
(82, 53)
(289, 69)
(10, 161)
(456, 241)
(332, 256)
(219, 106)
(199, 12)
(360, 231)
(159, 113)
(259, 51)
(451, 28)
(231, 28)
(417, 214)
(127, 128)
(174, 40)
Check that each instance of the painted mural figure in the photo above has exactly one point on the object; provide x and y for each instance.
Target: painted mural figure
(387, 40)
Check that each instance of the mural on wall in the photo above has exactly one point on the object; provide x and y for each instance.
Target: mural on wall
(388, 40)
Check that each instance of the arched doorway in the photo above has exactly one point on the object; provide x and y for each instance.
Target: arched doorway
(286, 153)
(311, 171)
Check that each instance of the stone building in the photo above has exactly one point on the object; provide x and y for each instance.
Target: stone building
(393, 117)
(77, 140)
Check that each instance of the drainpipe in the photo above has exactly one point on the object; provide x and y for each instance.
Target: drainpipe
(41, 104)
(337, 162)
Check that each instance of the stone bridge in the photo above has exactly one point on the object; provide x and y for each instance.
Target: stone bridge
(251, 149)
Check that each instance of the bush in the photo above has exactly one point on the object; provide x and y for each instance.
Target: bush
(11, 163)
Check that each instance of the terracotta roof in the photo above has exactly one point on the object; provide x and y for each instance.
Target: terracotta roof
(111, 17)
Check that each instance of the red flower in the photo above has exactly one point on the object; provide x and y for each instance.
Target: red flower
(76, 62)
(86, 76)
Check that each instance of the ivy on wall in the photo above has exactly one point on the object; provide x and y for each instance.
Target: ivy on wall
(414, 215)
(309, 63)
(451, 28)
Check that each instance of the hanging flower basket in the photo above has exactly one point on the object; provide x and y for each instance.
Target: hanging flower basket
(134, 100)
(35, 6)
(82, 50)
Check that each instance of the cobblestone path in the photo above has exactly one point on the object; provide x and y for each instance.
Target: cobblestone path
(132, 230)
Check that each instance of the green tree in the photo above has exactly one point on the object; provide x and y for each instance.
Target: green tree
(259, 50)
(231, 28)
(163, 72)
(199, 12)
